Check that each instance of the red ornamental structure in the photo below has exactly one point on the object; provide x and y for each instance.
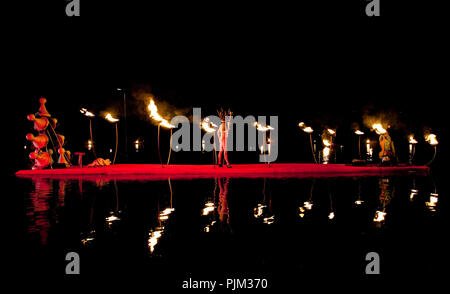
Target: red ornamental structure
(45, 125)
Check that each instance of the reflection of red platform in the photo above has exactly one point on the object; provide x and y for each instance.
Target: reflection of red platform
(277, 170)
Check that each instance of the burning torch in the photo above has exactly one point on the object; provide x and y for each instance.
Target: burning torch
(431, 139)
(412, 148)
(267, 142)
(114, 121)
(161, 122)
(359, 134)
(309, 131)
(89, 115)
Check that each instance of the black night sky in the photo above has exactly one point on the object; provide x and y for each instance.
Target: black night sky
(325, 64)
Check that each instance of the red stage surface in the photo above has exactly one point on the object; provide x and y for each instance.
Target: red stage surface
(277, 170)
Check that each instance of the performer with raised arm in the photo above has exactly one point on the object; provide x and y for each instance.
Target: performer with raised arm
(223, 135)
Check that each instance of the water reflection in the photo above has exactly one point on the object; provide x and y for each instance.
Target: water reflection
(97, 208)
(263, 210)
(38, 211)
(217, 216)
(88, 235)
(358, 200)
(158, 231)
(307, 205)
(433, 198)
(331, 215)
(114, 214)
(387, 190)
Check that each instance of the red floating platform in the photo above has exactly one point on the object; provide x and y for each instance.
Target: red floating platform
(277, 170)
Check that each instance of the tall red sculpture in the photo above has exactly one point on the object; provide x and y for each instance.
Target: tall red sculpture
(45, 125)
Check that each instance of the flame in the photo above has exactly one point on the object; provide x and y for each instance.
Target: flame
(306, 129)
(155, 115)
(208, 126)
(431, 139)
(112, 218)
(414, 192)
(154, 238)
(331, 215)
(326, 142)
(110, 118)
(262, 128)
(431, 204)
(209, 207)
(86, 112)
(308, 205)
(379, 128)
(379, 216)
(359, 133)
(164, 215)
(269, 220)
(258, 211)
(412, 140)
(207, 229)
(90, 237)
(302, 211)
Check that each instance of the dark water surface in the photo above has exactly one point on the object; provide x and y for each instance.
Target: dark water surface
(164, 232)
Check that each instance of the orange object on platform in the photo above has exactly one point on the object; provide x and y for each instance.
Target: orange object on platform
(53, 121)
(41, 160)
(62, 158)
(42, 110)
(40, 124)
(61, 139)
(39, 142)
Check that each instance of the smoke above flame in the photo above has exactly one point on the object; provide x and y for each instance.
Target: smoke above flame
(140, 97)
(381, 120)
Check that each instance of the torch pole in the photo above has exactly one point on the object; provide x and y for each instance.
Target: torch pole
(312, 148)
(159, 151)
(434, 156)
(214, 150)
(117, 138)
(359, 146)
(170, 148)
(92, 140)
(125, 122)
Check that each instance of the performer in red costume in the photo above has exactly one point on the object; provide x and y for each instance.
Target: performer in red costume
(223, 135)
